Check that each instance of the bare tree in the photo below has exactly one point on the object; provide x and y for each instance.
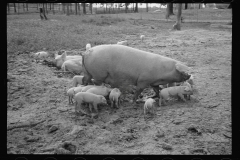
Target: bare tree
(42, 13)
(126, 7)
(177, 25)
(90, 7)
(169, 10)
(147, 7)
(67, 9)
(53, 8)
(186, 5)
(23, 8)
(75, 8)
(136, 7)
(63, 8)
(27, 6)
(14, 6)
(79, 8)
(70, 5)
(84, 8)
(45, 9)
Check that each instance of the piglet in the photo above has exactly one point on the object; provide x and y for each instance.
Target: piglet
(114, 97)
(142, 37)
(122, 43)
(100, 90)
(72, 91)
(89, 98)
(88, 46)
(73, 65)
(177, 91)
(149, 104)
(76, 80)
(41, 55)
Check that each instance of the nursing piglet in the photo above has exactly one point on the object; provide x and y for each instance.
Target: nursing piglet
(149, 104)
(89, 98)
(77, 80)
(72, 91)
(114, 97)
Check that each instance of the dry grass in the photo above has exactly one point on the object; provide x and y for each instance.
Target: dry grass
(28, 33)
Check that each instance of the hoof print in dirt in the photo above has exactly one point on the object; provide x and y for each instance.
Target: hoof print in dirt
(166, 146)
(62, 151)
(31, 138)
(52, 129)
(66, 148)
(159, 134)
(194, 130)
(199, 151)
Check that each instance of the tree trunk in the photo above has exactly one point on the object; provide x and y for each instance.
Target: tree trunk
(23, 8)
(75, 8)
(169, 10)
(42, 13)
(177, 25)
(14, 6)
(136, 8)
(63, 8)
(147, 7)
(84, 8)
(67, 9)
(45, 9)
(90, 7)
(27, 6)
(186, 5)
(79, 9)
(126, 7)
(53, 8)
(37, 6)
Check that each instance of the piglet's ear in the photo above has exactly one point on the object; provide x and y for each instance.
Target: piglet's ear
(186, 89)
(64, 55)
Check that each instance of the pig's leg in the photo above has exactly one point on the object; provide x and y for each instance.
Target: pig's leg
(95, 107)
(90, 107)
(86, 79)
(69, 99)
(137, 93)
(116, 103)
(182, 97)
(111, 103)
(156, 90)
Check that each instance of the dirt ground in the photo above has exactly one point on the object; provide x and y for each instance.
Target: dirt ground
(40, 120)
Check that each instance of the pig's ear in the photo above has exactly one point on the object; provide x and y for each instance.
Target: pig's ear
(55, 54)
(182, 68)
(64, 55)
(186, 89)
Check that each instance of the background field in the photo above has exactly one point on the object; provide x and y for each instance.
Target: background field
(40, 120)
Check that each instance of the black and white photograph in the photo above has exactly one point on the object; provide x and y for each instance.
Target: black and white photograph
(119, 78)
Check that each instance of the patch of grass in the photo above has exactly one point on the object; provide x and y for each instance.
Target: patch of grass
(104, 21)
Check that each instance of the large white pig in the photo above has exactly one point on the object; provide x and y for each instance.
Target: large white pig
(73, 65)
(120, 66)
(60, 59)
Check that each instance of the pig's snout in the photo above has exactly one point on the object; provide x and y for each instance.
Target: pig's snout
(185, 76)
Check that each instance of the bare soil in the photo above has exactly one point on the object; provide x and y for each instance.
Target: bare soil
(40, 120)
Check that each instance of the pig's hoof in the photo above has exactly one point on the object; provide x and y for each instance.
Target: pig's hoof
(139, 101)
